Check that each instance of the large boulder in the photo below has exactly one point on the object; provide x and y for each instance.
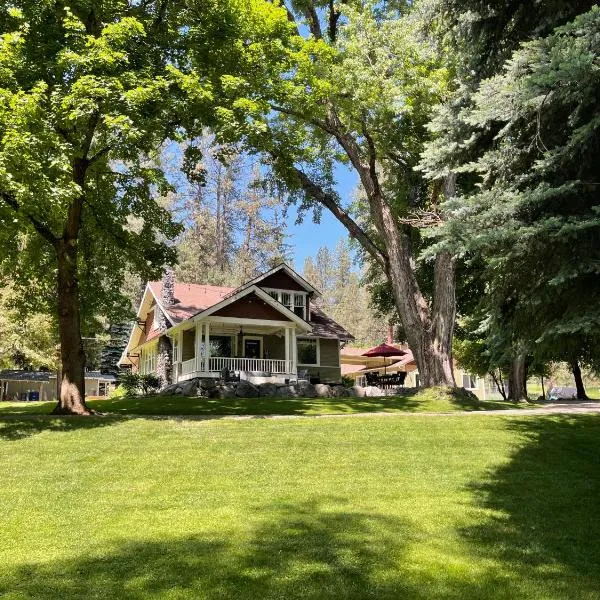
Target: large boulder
(208, 384)
(245, 389)
(226, 391)
(373, 392)
(305, 389)
(189, 388)
(283, 391)
(169, 390)
(268, 390)
(357, 391)
(339, 391)
(323, 390)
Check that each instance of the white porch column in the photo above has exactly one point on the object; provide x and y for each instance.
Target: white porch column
(287, 347)
(198, 346)
(294, 352)
(207, 346)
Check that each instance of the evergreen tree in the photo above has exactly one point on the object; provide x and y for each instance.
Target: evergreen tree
(112, 351)
(344, 296)
(523, 136)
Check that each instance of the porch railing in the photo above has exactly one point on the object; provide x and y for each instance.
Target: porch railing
(218, 363)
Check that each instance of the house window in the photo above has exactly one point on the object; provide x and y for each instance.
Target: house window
(176, 348)
(286, 300)
(300, 305)
(221, 345)
(469, 382)
(293, 301)
(148, 363)
(307, 351)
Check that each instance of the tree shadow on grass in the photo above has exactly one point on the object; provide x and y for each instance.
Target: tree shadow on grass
(546, 506)
(314, 550)
(263, 406)
(13, 428)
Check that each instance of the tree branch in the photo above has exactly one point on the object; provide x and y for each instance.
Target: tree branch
(40, 227)
(334, 16)
(313, 21)
(316, 192)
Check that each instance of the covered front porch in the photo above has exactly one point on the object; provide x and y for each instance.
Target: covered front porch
(258, 350)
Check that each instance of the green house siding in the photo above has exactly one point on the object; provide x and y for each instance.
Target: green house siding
(187, 348)
(330, 352)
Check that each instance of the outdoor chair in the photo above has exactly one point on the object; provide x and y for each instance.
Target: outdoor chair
(228, 376)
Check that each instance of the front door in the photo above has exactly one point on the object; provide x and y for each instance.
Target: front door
(252, 348)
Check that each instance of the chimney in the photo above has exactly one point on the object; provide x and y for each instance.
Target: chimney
(167, 297)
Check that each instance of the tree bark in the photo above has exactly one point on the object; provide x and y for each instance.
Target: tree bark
(516, 379)
(581, 394)
(72, 388)
(72, 385)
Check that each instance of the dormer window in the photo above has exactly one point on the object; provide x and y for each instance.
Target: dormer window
(293, 301)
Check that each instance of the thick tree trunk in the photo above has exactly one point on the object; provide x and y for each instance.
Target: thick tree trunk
(428, 327)
(516, 379)
(581, 394)
(72, 386)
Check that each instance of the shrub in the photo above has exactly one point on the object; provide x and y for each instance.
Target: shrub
(347, 382)
(149, 384)
(130, 382)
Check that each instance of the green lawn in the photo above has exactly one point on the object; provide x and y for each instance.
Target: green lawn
(430, 400)
(419, 508)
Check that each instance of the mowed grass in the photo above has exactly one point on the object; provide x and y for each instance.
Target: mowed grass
(441, 400)
(356, 508)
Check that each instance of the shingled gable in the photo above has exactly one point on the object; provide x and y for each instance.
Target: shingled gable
(281, 311)
(283, 277)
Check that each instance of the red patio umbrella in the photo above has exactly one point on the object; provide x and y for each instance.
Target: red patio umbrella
(384, 350)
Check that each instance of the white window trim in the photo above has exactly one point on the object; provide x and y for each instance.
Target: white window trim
(148, 358)
(252, 337)
(318, 341)
(293, 294)
(155, 323)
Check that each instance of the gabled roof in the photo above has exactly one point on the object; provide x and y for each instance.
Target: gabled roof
(195, 300)
(281, 267)
(325, 326)
(245, 291)
(190, 299)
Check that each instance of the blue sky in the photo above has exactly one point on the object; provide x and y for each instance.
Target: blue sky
(308, 237)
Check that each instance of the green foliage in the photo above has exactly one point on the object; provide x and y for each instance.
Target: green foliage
(87, 95)
(26, 340)
(529, 141)
(129, 382)
(134, 384)
(344, 296)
